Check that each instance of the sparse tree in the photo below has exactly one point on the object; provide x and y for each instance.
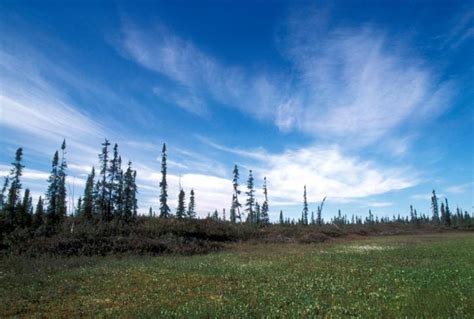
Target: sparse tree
(192, 205)
(304, 214)
(164, 208)
(181, 208)
(250, 203)
(87, 210)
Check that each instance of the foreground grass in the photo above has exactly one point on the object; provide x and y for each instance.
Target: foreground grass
(422, 276)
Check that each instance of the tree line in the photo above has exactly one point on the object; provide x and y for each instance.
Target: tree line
(110, 194)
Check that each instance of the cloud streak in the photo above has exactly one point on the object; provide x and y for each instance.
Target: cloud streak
(346, 82)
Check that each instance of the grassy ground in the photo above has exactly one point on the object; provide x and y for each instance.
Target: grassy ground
(422, 276)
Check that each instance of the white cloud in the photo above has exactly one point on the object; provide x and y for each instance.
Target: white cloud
(460, 189)
(347, 84)
(326, 171)
(197, 75)
(379, 204)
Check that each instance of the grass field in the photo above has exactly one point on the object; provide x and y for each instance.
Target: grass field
(422, 276)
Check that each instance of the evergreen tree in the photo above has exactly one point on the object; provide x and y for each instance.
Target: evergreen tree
(61, 203)
(319, 219)
(150, 212)
(434, 207)
(88, 203)
(38, 217)
(3, 193)
(116, 183)
(129, 194)
(282, 221)
(304, 214)
(25, 210)
(447, 218)
(235, 207)
(52, 194)
(134, 195)
(104, 185)
(250, 199)
(265, 219)
(181, 208)
(164, 208)
(192, 205)
(15, 187)
(313, 221)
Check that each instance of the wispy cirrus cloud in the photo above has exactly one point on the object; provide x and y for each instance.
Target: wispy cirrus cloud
(197, 77)
(346, 82)
(326, 171)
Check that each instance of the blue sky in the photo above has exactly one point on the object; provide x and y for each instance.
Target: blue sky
(366, 102)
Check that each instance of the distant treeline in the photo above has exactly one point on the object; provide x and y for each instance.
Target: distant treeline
(110, 195)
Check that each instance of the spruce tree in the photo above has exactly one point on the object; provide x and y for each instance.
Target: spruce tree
(115, 178)
(52, 194)
(164, 208)
(181, 208)
(192, 205)
(129, 194)
(25, 210)
(3, 193)
(88, 202)
(250, 199)
(319, 220)
(282, 221)
(265, 219)
(104, 184)
(447, 220)
(313, 221)
(15, 187)
(304, 214)
(235, 207)
(38, 217)
(61, 203)
(434, 207)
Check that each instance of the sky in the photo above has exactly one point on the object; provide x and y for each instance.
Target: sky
(367, 103)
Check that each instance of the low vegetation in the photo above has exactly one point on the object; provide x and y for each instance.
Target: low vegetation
(426, 276)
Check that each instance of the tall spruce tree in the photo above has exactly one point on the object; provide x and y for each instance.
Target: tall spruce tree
(250, 199)
(13, 198)
(192, 205)
(304, 214)
(52, 194)
(443, 213)
(25, 210)
(129, 194)
(114, 176)
(235, 207)
(104, 185)
(164, 208)
(88, 202)
(434, 208)
(282, 221)
(447, 218)
(181, 208)
(61, 202)
(265, 219)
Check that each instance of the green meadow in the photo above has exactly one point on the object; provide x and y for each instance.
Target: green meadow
(385, 277)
